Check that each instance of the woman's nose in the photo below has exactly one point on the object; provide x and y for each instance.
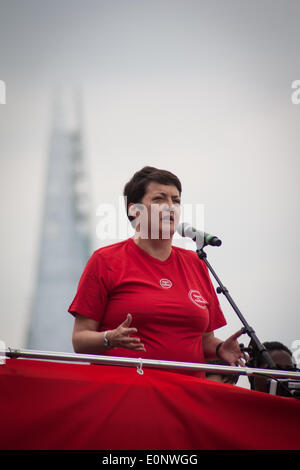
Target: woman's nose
(169, 206)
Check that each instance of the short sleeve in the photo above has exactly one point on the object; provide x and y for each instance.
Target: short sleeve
(92, 295)
(216, 316)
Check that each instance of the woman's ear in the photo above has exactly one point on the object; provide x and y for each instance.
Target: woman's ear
(131, 215)
(134, 212)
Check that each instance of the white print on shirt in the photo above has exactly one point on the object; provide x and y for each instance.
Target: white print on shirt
(165, 283)
(196, 297)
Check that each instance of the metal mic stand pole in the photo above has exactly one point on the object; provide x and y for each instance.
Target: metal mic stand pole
(247, 328)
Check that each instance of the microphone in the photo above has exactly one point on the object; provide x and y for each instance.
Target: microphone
(201, 238)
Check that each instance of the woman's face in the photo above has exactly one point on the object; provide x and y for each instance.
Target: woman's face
(159, 211)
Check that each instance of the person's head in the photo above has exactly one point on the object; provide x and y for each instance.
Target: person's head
(281, 356)
(152, 198)
(216, 376)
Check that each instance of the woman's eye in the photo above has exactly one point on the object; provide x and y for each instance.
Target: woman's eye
(177, 201)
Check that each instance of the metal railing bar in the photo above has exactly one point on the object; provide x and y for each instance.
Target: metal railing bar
(138, 362)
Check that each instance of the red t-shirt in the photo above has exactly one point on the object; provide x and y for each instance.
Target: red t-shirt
(172, 302)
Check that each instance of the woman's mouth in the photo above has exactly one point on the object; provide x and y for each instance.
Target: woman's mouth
(169, 218)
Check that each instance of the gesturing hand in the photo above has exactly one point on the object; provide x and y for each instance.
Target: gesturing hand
(120, 336)
(231, 352)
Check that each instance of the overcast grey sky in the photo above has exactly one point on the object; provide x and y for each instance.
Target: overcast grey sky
(202, 88)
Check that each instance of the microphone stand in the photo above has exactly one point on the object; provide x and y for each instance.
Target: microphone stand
(247, 328)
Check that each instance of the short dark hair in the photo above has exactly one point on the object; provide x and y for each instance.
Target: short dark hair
(231, 377)
(136, 187)
(256, 358)
(272, 346)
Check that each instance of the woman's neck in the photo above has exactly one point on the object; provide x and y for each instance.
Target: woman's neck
(160, 249)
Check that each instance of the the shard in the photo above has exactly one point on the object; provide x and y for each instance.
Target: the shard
(65, 243)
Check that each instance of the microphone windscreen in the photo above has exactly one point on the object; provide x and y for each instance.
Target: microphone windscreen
(184, 229)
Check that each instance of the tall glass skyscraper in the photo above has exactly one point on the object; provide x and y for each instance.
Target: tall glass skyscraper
(65, 243)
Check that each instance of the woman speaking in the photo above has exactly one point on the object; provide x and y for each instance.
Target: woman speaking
(145, 298)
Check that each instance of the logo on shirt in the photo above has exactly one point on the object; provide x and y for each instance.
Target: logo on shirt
(196, 297)
(165, 283)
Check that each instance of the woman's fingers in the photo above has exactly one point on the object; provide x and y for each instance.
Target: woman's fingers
(246, 356)
(125, 340)
(129, 342)
(128, 321)
(131, 339)
(232, 345)
(125, 325)
(236, 335)
(135, 346)
(238, 362)
(140, 347)
(134, 343)
(129, 331)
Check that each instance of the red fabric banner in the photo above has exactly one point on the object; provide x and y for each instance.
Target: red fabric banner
(58, 406)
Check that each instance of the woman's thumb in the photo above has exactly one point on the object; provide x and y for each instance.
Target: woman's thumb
(128, 320)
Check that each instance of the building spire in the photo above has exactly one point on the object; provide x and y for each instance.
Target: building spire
(65, 242)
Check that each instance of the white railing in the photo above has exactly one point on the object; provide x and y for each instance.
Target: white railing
(141, 363)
